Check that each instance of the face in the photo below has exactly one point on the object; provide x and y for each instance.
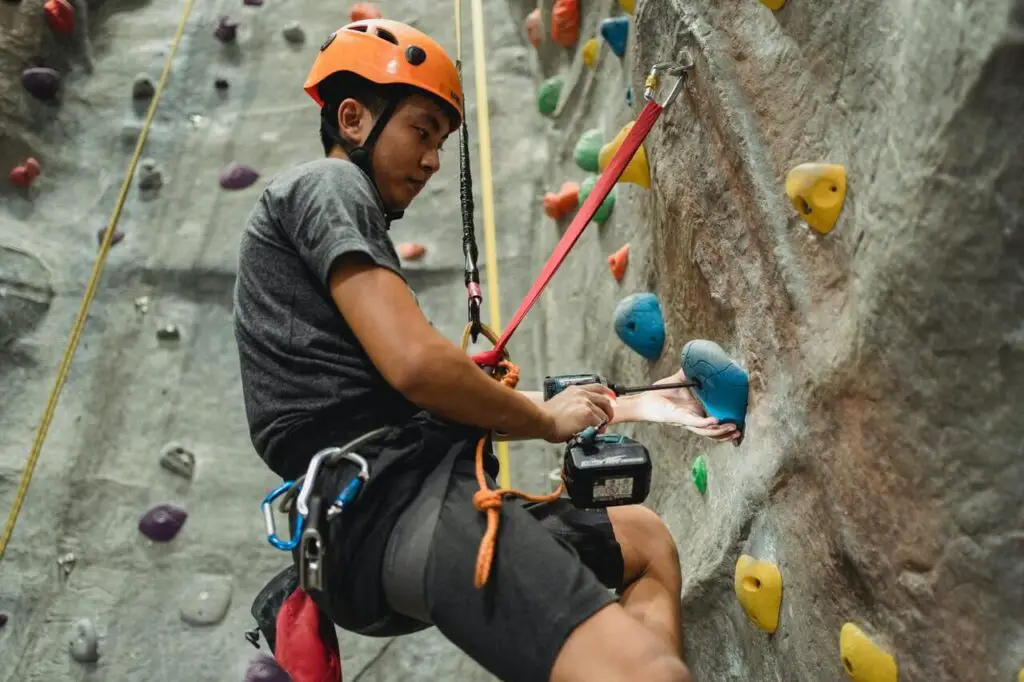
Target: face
(407, 152)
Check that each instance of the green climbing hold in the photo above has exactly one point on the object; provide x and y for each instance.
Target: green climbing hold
(587, 150)
(605, 209)
(700, 474)
(550, 91)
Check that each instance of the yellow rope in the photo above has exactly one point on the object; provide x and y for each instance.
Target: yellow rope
(90, 292)
(487, 183)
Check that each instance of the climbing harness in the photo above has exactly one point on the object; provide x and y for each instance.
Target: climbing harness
(90, 290)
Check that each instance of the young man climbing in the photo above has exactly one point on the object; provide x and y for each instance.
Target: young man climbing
(332, 344)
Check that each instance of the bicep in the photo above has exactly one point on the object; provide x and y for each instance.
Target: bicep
(383, 315)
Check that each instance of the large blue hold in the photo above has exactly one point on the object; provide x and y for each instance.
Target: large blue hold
(638, 323)
(615, 31)
(724, 386)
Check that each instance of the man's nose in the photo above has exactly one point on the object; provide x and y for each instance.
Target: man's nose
(431, 161)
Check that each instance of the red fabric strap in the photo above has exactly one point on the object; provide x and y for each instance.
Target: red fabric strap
(644, 122)
(306, 646)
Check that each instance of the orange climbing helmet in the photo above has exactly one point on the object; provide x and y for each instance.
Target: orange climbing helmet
(388, 52)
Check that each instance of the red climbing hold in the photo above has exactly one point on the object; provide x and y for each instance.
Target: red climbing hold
(24, 174)
(238, 176)
(565, 22)
(364, 10)
(60, 15)
(618, 261)
(534, 27)
(563, 203)
(41, 82)
(408, 251)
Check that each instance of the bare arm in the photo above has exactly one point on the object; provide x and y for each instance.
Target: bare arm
(421, 363)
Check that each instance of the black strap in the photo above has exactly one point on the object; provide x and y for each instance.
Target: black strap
(469, 247)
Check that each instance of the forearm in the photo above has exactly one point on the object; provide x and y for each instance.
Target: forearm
(451, 386)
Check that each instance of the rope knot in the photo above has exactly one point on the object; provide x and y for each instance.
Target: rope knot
(485, 500)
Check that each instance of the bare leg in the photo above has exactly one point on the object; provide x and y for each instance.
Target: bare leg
(652, 579)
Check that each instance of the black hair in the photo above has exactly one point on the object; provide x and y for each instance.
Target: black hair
(333, 91)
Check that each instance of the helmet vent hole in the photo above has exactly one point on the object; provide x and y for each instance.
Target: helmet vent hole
(415, 55)
(361, 29)
(387, 35)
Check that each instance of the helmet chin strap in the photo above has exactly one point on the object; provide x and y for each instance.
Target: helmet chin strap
(360, 156)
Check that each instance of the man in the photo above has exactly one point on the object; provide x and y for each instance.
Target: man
(333, 344)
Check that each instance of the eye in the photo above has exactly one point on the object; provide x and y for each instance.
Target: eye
(424, 135)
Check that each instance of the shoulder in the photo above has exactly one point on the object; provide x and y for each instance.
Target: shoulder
(328, 176)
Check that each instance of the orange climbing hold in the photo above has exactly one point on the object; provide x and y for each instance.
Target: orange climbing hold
(559, 205)
(409, 251)
(364, 10)
(618, 261)
(60, 15)
(534, 27)
(24, 174)
(565, 22)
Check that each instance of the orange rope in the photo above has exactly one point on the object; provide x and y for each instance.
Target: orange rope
(489, 501)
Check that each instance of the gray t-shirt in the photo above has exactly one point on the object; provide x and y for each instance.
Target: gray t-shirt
(303, 370)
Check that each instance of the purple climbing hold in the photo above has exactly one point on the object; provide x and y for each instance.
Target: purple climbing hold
(114, 239)
(238, 176)
(227, 30)
(264, 668)
(41, 82)
(162, 522)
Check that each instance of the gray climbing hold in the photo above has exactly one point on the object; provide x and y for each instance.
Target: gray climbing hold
(151, 177)
(238, 176)
(178, 460)
(26, 292)
(130, 131)
(293, 32)
(162, 522)
(84, 642)
(67, 563)
(143, 87)
(264, 668)
(114, 239)
(168, 332)
(221, 83)
(227, 30)
(41, 82)
(206, 600)
(4, 617)
(252, 3)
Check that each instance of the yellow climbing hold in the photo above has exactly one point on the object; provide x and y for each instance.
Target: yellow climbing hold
(590, 52)
(864, 660)
(1020, 675)
(637, 171)
(630, 5)
(817, 192)
(759, 591)
(774, 5)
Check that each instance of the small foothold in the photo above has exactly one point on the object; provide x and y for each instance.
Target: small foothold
(25, 174)
(588, 149)
(238, 176)
(409, 251)
(143, 87)
(863, 660)
(115, 239)
(605, 209)
(60, 16)
(699, 472)
(142, 304)
(637, 171)
(253, 3)
(221, 83)
(41, 82)
(559, 205)
(84, 642)
(150, 176)
(67, 562)
(817, 192)
(590, 52)
(565, 22)
(534, 27)
(628, 5)
(364, 10)
(178, 460)
(722, 385)
(227, 30)
(639, 324)
(130, 131)
(168, 332)
(615, 31)
(758, 587)
(774, 5)
(547, 96)
(206, 601)
(618, 261)
(4, 617)
(162, 522)
(293, 32)
(264, 668)
(629, 96)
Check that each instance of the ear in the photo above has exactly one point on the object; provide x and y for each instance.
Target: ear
(354, 121)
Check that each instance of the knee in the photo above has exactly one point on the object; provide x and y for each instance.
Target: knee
(664, 669)
(645, 540)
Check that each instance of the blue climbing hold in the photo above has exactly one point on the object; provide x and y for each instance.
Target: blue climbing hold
(639, 325)
(724, 385)
(615, 31)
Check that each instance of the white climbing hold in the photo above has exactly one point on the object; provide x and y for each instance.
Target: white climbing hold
(84, 642)
(293, 32)
(143, 87)
(142, 304)
(150, 176)
(206, 600)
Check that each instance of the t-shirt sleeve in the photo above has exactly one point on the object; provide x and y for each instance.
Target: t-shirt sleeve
(334, 211)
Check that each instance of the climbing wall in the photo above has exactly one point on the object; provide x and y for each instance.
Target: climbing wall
(835, 199)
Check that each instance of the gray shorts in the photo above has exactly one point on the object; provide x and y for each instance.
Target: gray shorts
(554, 566)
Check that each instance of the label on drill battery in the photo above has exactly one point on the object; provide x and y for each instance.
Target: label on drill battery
(619, 460)
(613, 489)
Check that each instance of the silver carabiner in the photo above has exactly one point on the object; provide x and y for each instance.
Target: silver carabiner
(678, 69)
(309, 480)
(351, 490)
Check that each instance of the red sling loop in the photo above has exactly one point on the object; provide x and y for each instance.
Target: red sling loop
(641, 127)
